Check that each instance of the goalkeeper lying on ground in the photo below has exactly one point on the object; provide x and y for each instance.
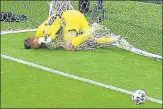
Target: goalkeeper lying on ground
(71, 31)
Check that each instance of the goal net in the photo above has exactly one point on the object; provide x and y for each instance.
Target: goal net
(138, 23)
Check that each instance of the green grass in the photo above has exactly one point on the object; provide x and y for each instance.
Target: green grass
(27, 87)
(112, 66)
(139, 22)
(35, 11)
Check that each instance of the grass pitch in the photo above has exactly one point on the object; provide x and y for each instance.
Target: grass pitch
(139, 22)
(22, 86)
(26, 87)
(111, 66)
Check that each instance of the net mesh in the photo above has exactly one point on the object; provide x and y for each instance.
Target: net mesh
(58, 7)
(139, 22)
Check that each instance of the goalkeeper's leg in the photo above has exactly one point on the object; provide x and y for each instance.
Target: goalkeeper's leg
(105, 40)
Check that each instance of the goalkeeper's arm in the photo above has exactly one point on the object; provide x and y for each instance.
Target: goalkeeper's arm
(46, 32)
(43, 28)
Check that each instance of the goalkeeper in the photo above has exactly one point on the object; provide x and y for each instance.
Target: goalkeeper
(71, 31)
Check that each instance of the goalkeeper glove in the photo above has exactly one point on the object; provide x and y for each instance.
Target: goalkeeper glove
(44, 40)
(48, 40)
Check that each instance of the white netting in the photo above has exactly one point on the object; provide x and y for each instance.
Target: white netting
(138, 22)
(58, 7)
(123, 43)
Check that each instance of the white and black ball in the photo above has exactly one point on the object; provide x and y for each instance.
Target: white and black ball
(138, 97)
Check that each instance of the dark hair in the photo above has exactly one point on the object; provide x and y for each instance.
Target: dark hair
(27, 44)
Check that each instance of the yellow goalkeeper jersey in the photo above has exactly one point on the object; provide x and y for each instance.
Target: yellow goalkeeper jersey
(74, 20)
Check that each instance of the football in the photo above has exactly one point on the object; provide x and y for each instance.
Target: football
(41, 40)
(138, 97)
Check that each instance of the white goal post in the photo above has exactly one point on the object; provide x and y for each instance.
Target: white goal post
(136, 37)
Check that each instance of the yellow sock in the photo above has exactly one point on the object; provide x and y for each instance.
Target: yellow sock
(105, 40)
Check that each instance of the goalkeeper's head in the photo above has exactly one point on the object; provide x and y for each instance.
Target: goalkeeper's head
(31, 42)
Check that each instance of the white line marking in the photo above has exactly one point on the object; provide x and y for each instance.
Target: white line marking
(17, 31)
(75, 77)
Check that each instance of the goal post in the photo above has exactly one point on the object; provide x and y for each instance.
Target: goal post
(140, 23)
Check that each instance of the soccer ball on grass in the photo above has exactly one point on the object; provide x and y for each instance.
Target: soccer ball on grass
(138, 97)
